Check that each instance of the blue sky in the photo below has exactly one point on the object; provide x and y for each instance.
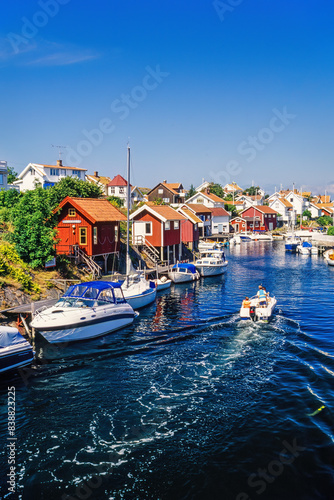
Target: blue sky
(235, 90)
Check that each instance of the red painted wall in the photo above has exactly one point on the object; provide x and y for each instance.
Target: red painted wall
(188, 231)
(155, 239)
(172, 236)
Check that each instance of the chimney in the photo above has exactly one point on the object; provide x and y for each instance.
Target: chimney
(59, 163)
(96, 174)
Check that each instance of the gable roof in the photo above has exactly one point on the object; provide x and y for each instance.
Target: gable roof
(170, 186)
(189, 214)
(261, 208)
(198, 208)
(98, 179)
(284, 202)
(219, 212)
(163, 212)
(95, 209)
(118, 180)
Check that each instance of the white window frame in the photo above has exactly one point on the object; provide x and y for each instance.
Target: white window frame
(176, 224)
(150, 232)
(167, 225)
(160, 191)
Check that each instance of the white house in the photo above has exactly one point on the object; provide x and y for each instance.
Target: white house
(284, 208)
(99, 180)
(208, 199)
(298, 202)
(3, 175)
(118, 187)
(251, 200)
(204, 185)
(233, 188)
(46, 175)
(220, 221)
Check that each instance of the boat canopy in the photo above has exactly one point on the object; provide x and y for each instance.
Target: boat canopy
(10, 336)
(307, 244)
(90, 289)
(185, 265)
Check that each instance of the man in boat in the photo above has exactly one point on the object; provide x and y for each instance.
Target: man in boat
(262, 296)
(246, 302)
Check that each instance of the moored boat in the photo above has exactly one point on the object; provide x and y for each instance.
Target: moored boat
(211, 265)
(15, 350)
(163, 283)
(85, 311)
(183, 272)
(329, 256)
(139, 292)
(291, 243)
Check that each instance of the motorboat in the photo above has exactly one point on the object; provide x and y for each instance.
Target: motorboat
(15, 350)
(235, 240)
(163, 283)
(329, 256)
(206, 245)
(257, 312)
(260, 237)
(85, 311)
(138, 291)
(211, 265)
(183, 272)
(304, 248)
(291, 243)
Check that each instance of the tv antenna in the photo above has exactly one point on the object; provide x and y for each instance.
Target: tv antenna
(59, 150)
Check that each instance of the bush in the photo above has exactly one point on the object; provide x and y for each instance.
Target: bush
(330, 231)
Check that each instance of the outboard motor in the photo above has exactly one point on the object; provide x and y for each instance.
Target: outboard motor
(252, 313)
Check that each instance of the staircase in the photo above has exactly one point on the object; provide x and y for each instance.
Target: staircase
(93, 267)
(148, 249)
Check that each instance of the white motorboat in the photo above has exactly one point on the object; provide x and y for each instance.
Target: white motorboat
(163, 283)
(261, 237)
(329, 256)
(15, 350)
(183, 272)
(304, 248)
(206, 245)
(257, 312)
(211, 265)
(85, 311)
(138, 291)
(291, 243)
(235, 240)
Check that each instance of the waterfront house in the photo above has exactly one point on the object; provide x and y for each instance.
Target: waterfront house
(46, 175)
(206, 198)
(118, 187)
(205, 215)
(100, 181)
(260, 218)
(170, 193)
(251, 200)
(88, 227)
(190, 228)
(3, 175)
(285, 211)
(220, 221)
(158, 226)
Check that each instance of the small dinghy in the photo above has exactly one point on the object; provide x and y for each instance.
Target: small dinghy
(254, 309)
(163, 283)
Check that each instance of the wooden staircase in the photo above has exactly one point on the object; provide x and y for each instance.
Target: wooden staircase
(147, 249)
(80, 256)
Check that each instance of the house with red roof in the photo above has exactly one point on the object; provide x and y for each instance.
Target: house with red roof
(170, 193)
(158, 228)
(205, 215)
(257, 218)
(190, 228)
(118, 187)
(88, 227)
(220, 221)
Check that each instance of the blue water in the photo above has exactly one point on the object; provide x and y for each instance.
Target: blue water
(189, 402)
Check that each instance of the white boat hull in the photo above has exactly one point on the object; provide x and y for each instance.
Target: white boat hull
(183, 277)
(213, 270)
(140, 300)
(16, 355)
(262, 313)
(162, 285)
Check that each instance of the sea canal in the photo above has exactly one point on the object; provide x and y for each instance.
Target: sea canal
(188, 402)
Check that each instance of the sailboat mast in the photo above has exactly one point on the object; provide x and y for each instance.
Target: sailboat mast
(128, 214)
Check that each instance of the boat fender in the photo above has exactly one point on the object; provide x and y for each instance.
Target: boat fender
(316, 411)
(152, 284)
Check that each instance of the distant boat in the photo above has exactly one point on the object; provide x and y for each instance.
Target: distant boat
(183, 272)
(15, 350)
(329, 256)
(291, 243)
(304, 248)
(85, 311)
(211, 265)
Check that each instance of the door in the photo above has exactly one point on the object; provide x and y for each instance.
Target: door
(271, 226)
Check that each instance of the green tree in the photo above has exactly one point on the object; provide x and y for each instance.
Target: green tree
(330, 231)
(191, 192)
(252, 190)
(228, 197)
(34, 234)
(71, 186)
(217, 190)
(231, 209)
(10, 198)
(12, 175)
(307, 214)
(325, 220)
(116, 201)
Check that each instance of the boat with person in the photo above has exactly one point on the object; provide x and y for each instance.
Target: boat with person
(210, 264)
(15, 350)
(183, 272)
(329, 256)
(85, 311)
(258, 308)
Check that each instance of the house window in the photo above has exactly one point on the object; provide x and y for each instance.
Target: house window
(166, 200)
(148, 228)
(1, 178)
(71, 212)
(200, 200)
(95, 235)
(112, 190)
(54, 171)
(83, 235)
(167, 225)
(121, 190)
(176, 224)
(32, 171)
(195, 227)
(160, 191)
(116, 233)
(63, 172)
(77, 173)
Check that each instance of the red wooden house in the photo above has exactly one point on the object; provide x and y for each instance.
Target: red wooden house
(158, 226)
(257, 218)
(89, 226)
(190, 227)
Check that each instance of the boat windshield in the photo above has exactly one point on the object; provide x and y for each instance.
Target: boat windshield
(90, 296)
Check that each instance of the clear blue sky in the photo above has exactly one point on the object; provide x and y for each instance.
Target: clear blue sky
(234, 90)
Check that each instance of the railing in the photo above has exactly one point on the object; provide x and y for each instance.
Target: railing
(141, 240)
(92, 265)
